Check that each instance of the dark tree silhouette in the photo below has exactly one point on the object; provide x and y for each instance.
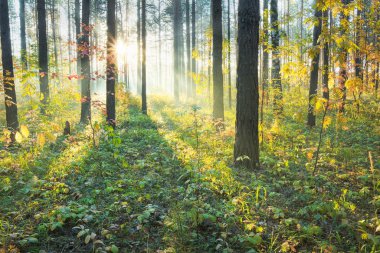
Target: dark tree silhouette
(43, 59)
(217, 60)
(246, 150)
(85, 64)
(111, 62)
(8, 74)
(143, 69)
(314, 65)
(24, 61)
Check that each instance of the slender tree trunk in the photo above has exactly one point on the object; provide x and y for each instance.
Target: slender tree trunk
(69, 32)
(24, 60)
(77, 35)
(358, 59)
(111, 62)
(177, 48)
(314, 66)
(218, 108)
(159, 45)
(143, 94)
(343, 57)
(265, 81)
(301, 30)
(54, 35)
(326, 48)
(126, 38)
(43, 60)
(85, 64)
(246, 151)
(194, 43)
(139, 85)
(8, 74)
(276, 64)
(188, 50)
(229, 54)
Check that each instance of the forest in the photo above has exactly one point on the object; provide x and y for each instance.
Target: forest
(189, 126)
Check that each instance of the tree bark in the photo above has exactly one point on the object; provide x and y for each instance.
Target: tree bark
(194, 43)
(43, 60)
(218, 107)
(139, 85)
(77, 35)
(188, 50)
(85, 64)
(8, 74)
(229, 54)
(143, 74)
(111, 62)
(276, 64)
(246, 150)
(326, 49)
(24, 60)
(177, 47)
(314, 66)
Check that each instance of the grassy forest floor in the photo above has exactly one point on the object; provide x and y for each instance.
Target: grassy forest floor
(165, 183)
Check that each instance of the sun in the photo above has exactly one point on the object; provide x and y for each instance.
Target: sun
(121, 47)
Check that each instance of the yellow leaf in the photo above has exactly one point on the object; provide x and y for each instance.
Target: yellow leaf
(18, 137)
(327, 122)
(41, 140)
(24, 131)
(309, 155)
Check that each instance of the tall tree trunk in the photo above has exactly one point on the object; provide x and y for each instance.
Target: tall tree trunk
(139, 88)
(218, 108)
(111, 62)
(343, 57)
(43, 60)
(358, 59)
(69, 33)
(143, 94)
(194, 43)
(301, 30)
(77, 35)
(159, 45)
(188, 49)
(85, 64)
(8, 74)
(229, 54)
(314, 65)
(246, 151)
(54, 35)
(326, 48)
(265, 81)
(126, 38)
(177, 48)
(276, 64)
(24, 61)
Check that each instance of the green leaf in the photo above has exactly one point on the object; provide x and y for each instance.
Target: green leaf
(114, 249)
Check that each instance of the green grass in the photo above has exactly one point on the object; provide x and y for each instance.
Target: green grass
(166, 183)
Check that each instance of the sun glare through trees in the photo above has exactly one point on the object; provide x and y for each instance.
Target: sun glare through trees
(189, 126)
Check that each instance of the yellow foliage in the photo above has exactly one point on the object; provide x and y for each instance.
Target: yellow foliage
(24, 131)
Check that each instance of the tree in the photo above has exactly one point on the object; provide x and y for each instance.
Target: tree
(177, 23)
(188, 49)
(77, 35)
(246, 150)
(194, 45)
(217, 61)
(276, 63)
(85, 64)
(43, 60)
(111, 62)
(314, 65)
(24, 61)
(143, 74)
(139, 47)
(265, 50)
(326, 49)
(229, 54)
(8, 74)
